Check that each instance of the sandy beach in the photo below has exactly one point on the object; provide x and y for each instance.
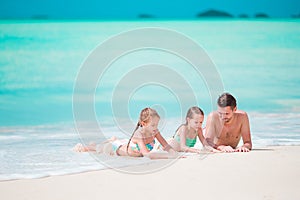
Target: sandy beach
(266, 173)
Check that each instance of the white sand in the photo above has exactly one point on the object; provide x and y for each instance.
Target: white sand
(271, 173)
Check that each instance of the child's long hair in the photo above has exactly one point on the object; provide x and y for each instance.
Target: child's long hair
(145, 116)
(192, 111)
(190, 114)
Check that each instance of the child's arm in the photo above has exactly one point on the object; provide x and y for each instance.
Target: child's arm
(163, 142)
(162, 155)
(202, 139)
(204, 142)
(210, 132)
(154, 155)
(142, 146)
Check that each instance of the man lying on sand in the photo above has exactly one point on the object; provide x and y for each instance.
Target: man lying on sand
(226, 126)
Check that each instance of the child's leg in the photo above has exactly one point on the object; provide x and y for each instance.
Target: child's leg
(92, 146)
(80, 148)
(111, 146)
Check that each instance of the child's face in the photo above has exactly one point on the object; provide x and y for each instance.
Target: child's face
(196, 121)
(151, 126)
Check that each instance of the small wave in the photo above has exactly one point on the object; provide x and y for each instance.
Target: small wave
(11, 137)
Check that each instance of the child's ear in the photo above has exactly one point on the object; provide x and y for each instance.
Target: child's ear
(143, 123)
(188, 119)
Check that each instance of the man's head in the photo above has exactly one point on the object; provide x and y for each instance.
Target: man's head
(226, 106)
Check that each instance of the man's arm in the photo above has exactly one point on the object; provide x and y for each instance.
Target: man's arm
(246, 135)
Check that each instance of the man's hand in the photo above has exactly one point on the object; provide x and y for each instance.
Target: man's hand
(227, 149)
(242, 149)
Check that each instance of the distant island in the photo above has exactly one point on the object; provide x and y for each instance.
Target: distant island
(214, 13)
(296, 16)
(261, 15)
(145, 16)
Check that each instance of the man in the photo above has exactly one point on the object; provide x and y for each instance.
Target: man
(226, 126)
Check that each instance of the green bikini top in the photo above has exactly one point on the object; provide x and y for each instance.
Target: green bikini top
(188, 141)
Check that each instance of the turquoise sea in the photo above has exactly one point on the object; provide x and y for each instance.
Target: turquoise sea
(258, 61)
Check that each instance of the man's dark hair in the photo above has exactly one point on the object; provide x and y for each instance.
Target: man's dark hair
(225, 100)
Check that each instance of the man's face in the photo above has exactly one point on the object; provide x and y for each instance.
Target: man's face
(226, 113)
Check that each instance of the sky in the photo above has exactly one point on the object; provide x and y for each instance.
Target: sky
(124, 9)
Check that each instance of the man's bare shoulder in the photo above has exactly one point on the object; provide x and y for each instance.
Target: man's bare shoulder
(213, 114)
(241, 114)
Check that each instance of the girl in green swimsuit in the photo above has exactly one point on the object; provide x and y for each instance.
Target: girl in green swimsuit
(141, 142)
(186, 135)
(143, 138)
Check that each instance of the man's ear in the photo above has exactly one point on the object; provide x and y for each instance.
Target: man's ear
(235, 108)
